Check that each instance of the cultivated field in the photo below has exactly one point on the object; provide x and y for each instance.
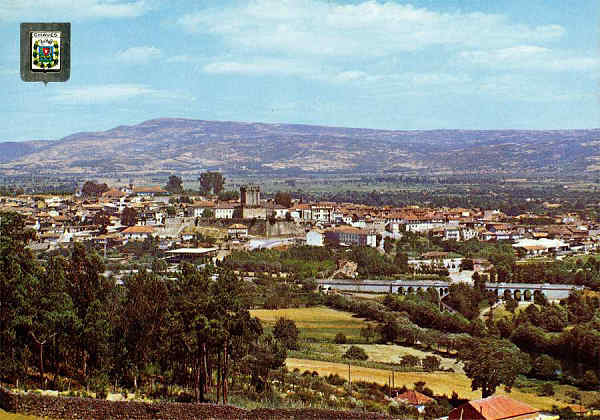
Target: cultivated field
(317, 323)
(439, 382)
(392, 354)
(10, 416)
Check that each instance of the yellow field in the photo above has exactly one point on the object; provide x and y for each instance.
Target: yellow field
(10, 416)
(317, 322)
(309, 317)
(439, 382)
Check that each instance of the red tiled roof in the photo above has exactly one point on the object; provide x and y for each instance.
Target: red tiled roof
(150, 189)
(414, 398)
(496, 408)
(139, 229)
(114, 193)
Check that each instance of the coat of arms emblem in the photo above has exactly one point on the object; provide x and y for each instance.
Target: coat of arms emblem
(45, 50)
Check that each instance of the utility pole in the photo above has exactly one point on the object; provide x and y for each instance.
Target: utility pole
(349, 379)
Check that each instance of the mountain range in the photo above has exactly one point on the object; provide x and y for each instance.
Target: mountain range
(186, 146)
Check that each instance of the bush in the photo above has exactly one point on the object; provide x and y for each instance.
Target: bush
(431, 363)
(356, 353)
(545, 367)
(99, 384)
(335, 380)
(409, 360)
(546, 390)
(340, 338)
(185, 397)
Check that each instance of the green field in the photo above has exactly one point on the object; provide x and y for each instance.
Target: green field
(316, 324)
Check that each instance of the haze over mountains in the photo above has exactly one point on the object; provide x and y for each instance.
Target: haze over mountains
(184, 146)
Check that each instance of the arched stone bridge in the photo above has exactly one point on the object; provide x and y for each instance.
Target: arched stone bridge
(518, 291)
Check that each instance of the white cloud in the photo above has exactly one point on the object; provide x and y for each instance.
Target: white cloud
(68, 10)
(371, 28)
(183, 58)
(112, 93)
(530, 57)
(528, 89)
(407, 81)
(138, 55)
(263, 66)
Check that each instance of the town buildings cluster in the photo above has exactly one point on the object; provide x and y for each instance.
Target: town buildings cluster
(133, 213)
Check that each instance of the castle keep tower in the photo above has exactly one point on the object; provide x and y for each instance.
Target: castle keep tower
(250, 195)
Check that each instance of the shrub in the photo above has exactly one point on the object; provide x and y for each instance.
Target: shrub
(185, 397)
(340, 338)
(431, 363)
(409, 360)
(356, 353)
(546, 390)
(544, 367)
(335, 380)
(99, 384)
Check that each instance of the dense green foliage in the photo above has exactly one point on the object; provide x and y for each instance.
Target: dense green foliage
(93, 189)
(64, 317)
(174, 185)
(211, 182)
(304, 262)
(285, 330)
(491, 363)
(314, 262)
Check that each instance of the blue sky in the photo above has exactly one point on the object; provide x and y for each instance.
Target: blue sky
(423, 64)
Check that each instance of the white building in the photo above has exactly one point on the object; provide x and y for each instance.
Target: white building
(224, 211)
(315, 238)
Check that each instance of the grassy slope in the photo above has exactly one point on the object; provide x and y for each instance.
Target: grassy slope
(440, 383)
(323, 323)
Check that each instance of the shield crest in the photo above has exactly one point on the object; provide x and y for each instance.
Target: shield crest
(45, 51)
(46, 54)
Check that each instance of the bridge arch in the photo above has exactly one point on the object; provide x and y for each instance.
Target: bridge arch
(435, 290)
(537, 294)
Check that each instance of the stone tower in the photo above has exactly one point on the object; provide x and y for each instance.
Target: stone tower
(250, 195)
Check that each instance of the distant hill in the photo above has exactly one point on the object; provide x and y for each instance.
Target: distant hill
(173, 145)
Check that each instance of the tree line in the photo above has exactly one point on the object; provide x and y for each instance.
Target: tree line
(62, 318)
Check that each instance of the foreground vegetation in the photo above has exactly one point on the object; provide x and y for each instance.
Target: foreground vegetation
(197, 335)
